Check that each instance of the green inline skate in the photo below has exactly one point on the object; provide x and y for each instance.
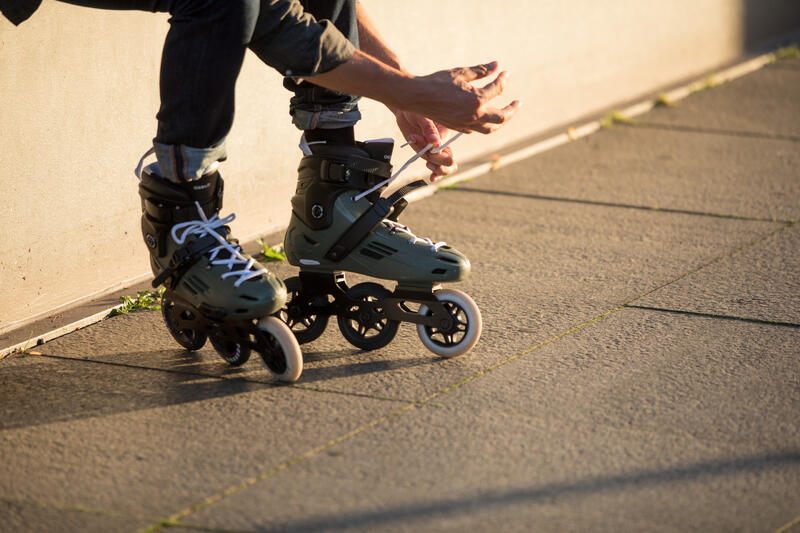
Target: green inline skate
(341, 223)
(213, 290)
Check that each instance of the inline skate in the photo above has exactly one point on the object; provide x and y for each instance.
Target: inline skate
(341, 223)
(213, 290)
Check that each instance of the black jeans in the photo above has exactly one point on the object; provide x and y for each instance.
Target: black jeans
(201, 61)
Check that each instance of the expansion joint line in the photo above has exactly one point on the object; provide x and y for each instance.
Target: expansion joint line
(174, 520)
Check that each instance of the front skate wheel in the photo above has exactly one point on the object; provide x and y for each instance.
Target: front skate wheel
(363, 326)
(297, 313)
(236, 354)
(463, 332)
(278, 348)
(183, 324)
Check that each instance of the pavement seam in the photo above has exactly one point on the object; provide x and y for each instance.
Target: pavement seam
(76, 508)
(712, 315)
(785, 528)
(710, 131)
(657, 209)
(174, 519)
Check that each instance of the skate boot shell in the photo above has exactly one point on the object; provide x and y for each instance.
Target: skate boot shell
(338, 224)
(212, 289)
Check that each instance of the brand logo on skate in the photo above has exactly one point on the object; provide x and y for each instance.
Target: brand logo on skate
(151, 241)
(317, 211)
(201, 187)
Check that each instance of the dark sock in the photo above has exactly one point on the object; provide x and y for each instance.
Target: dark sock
(331, 136)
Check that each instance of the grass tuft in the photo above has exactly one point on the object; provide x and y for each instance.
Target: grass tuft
(146, 300)
(788, 52)
(615, 117)
(664, 101)
(271, 253)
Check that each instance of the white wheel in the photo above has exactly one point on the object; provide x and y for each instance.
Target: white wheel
(279, 350)
(465, 332)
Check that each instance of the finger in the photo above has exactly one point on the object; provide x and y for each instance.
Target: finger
(445, 157)
(478, 71)
(439, 171)
(500, 116)
(430, 132)
(495, 88)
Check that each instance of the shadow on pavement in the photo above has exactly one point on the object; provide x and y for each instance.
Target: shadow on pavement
(42, 390)
(543, 493)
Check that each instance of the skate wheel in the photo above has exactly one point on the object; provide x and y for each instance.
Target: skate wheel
(231, 351)
(179, 319)
(279, 349)
(466, 330)
(297, 313)
(365, 327)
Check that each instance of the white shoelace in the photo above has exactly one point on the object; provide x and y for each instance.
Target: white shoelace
(413, 158)
(207, 226)
(394, 227)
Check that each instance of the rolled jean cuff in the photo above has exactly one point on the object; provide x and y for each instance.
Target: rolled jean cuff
(327, 119)
(180, 163)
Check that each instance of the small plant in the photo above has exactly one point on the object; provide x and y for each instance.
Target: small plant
(710, 82)
(788, 52)
(271, 253)
(615, 117)
(664, 101)
(146, 300)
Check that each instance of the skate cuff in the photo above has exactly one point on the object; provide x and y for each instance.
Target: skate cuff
(367, 222)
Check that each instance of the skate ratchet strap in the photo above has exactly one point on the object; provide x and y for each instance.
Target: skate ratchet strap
(183, 258)
(367, 222)
(355, 170)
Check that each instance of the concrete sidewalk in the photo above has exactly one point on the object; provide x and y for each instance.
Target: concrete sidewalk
(638, 369)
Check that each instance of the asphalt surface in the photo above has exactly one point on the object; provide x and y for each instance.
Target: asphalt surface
(638, 369)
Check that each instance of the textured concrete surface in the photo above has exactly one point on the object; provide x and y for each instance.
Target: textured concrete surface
(637, 371)
(663, 168)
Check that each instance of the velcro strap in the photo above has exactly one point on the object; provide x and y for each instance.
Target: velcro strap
(183, 258)
(367, 222)
(353, 169)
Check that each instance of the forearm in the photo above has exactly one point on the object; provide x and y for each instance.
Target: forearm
(371, 42)
(364, 75)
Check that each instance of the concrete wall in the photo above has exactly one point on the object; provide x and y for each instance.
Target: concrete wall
(79, 95)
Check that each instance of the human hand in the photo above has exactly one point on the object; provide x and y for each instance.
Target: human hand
(419, 131)
(448, 98)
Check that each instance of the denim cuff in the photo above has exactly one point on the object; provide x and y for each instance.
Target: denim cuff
(180, 163)
(326, 119)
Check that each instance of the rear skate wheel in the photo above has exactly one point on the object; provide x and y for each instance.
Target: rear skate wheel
(279, 349)
(179, 320)
(366, 327)
(297, 313)
(231, 351)
(465, 329)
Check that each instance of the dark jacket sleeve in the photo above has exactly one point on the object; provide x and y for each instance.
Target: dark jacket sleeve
(17, 11)
(294, 43)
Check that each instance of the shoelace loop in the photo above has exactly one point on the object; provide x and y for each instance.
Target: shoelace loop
(207, 226)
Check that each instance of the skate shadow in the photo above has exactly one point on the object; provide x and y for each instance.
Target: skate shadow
(375, 365)
(44, 389)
